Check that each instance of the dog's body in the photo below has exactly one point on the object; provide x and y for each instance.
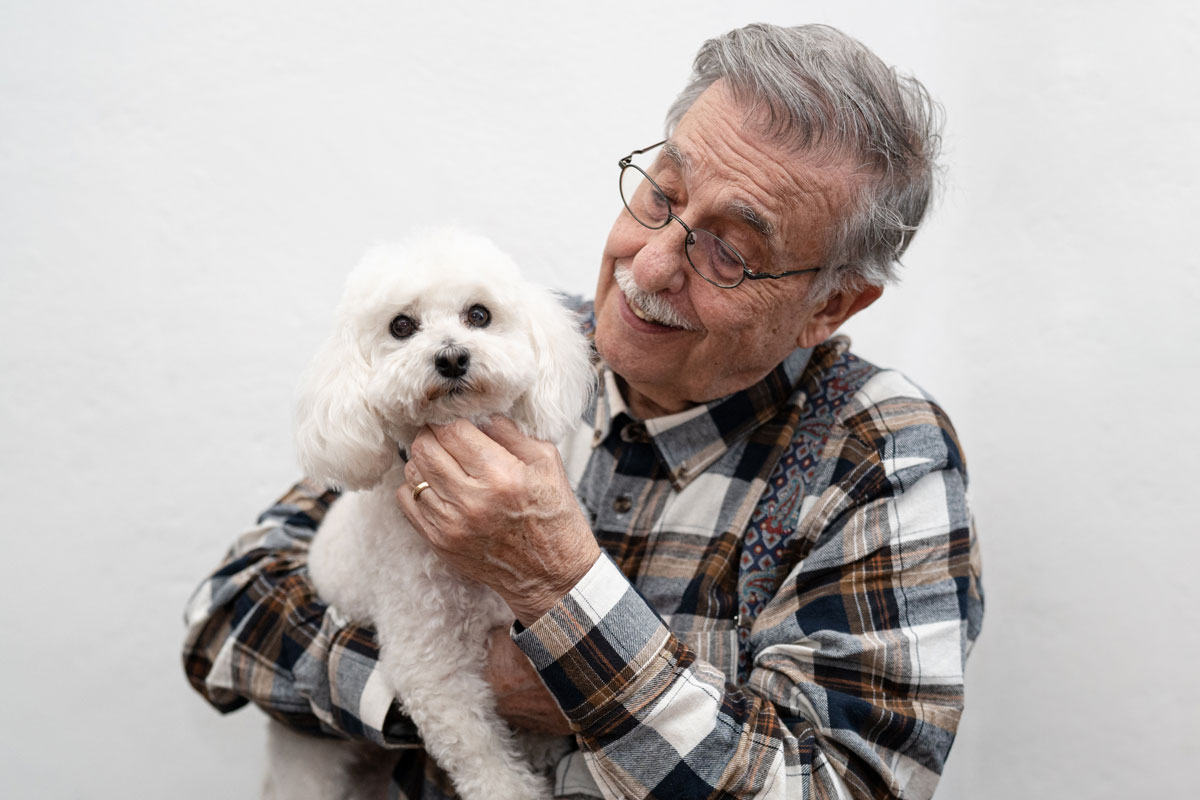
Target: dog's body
(438, 329)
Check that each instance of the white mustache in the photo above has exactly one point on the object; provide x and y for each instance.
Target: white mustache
(652, 306)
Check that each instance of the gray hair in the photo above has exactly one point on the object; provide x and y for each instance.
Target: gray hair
(826, 93)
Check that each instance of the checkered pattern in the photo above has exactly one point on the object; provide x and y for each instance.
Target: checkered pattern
(787, 605)
(273, 641)
(790, 589)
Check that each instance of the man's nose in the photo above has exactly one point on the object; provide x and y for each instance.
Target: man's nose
(661, 264)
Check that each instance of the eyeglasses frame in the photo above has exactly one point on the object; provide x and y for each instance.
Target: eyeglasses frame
(627, 162)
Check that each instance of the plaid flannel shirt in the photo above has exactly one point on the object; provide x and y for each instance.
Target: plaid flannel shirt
(788, 596)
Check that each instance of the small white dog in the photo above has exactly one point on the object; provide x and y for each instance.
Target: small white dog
(439, 328)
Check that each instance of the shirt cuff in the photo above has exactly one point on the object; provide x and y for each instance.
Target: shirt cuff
(592, 649)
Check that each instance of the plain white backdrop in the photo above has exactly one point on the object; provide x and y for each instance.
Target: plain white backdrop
(183, 187)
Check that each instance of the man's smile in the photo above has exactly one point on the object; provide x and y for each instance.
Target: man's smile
(642, 315)
(649, 308)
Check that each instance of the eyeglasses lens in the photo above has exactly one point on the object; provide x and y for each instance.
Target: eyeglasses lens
(716, 261)
(644, 201)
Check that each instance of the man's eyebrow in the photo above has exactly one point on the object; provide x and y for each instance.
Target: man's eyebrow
(677, 156)
(760, 224)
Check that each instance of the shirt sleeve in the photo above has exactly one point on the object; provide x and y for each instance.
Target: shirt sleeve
(857, 680)
(257, 632)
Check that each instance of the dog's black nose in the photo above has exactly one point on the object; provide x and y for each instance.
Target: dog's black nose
(452, 362)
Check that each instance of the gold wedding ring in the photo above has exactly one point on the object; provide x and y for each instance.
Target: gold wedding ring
(420, 487)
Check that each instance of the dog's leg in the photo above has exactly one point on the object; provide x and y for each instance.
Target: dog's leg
(455, 711)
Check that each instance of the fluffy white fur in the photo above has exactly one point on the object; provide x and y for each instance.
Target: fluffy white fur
(364, 398)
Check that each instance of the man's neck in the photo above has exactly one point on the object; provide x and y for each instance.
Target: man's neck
(643, 406)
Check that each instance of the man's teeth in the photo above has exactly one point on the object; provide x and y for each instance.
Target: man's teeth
(640, 313)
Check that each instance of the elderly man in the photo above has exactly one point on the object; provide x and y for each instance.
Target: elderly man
(752, 572)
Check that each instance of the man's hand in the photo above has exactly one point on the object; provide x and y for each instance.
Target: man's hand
(500, 510)
(521, 697)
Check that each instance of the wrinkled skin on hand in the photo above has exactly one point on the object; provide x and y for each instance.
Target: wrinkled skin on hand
(500, 510)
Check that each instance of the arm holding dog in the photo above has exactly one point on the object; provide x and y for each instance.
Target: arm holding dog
(257, 632)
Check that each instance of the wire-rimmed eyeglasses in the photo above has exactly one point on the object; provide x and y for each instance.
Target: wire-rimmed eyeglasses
(711, 257)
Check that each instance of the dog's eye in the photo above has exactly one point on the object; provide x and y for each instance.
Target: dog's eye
(403, 327)
(478, 316)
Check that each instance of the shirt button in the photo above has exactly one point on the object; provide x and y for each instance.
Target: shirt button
(622, 503)
(635, 432)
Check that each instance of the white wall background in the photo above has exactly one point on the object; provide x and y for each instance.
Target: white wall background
(184, 185)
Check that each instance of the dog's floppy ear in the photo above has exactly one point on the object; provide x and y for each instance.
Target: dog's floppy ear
(565, 377)
(339, 438)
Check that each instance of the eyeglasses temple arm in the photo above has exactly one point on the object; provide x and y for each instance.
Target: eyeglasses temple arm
(624, 162)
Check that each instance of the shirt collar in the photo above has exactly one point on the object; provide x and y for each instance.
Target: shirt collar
(689, 441)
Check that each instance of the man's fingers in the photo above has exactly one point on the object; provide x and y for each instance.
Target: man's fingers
(506, 434)
(475, 452)
(411, 508)
(430, 459)
(412, 475)
(427, 511)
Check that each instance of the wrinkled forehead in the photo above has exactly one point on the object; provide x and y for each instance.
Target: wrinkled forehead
(789, 196)
(770, 127)
(678, 159)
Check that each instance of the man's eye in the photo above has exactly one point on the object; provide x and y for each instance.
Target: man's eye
(669, 194)
(402, 327)
(724, 254)
(478, 316)
(745, 244)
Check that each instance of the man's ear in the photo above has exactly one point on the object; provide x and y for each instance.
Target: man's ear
(837, 309)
